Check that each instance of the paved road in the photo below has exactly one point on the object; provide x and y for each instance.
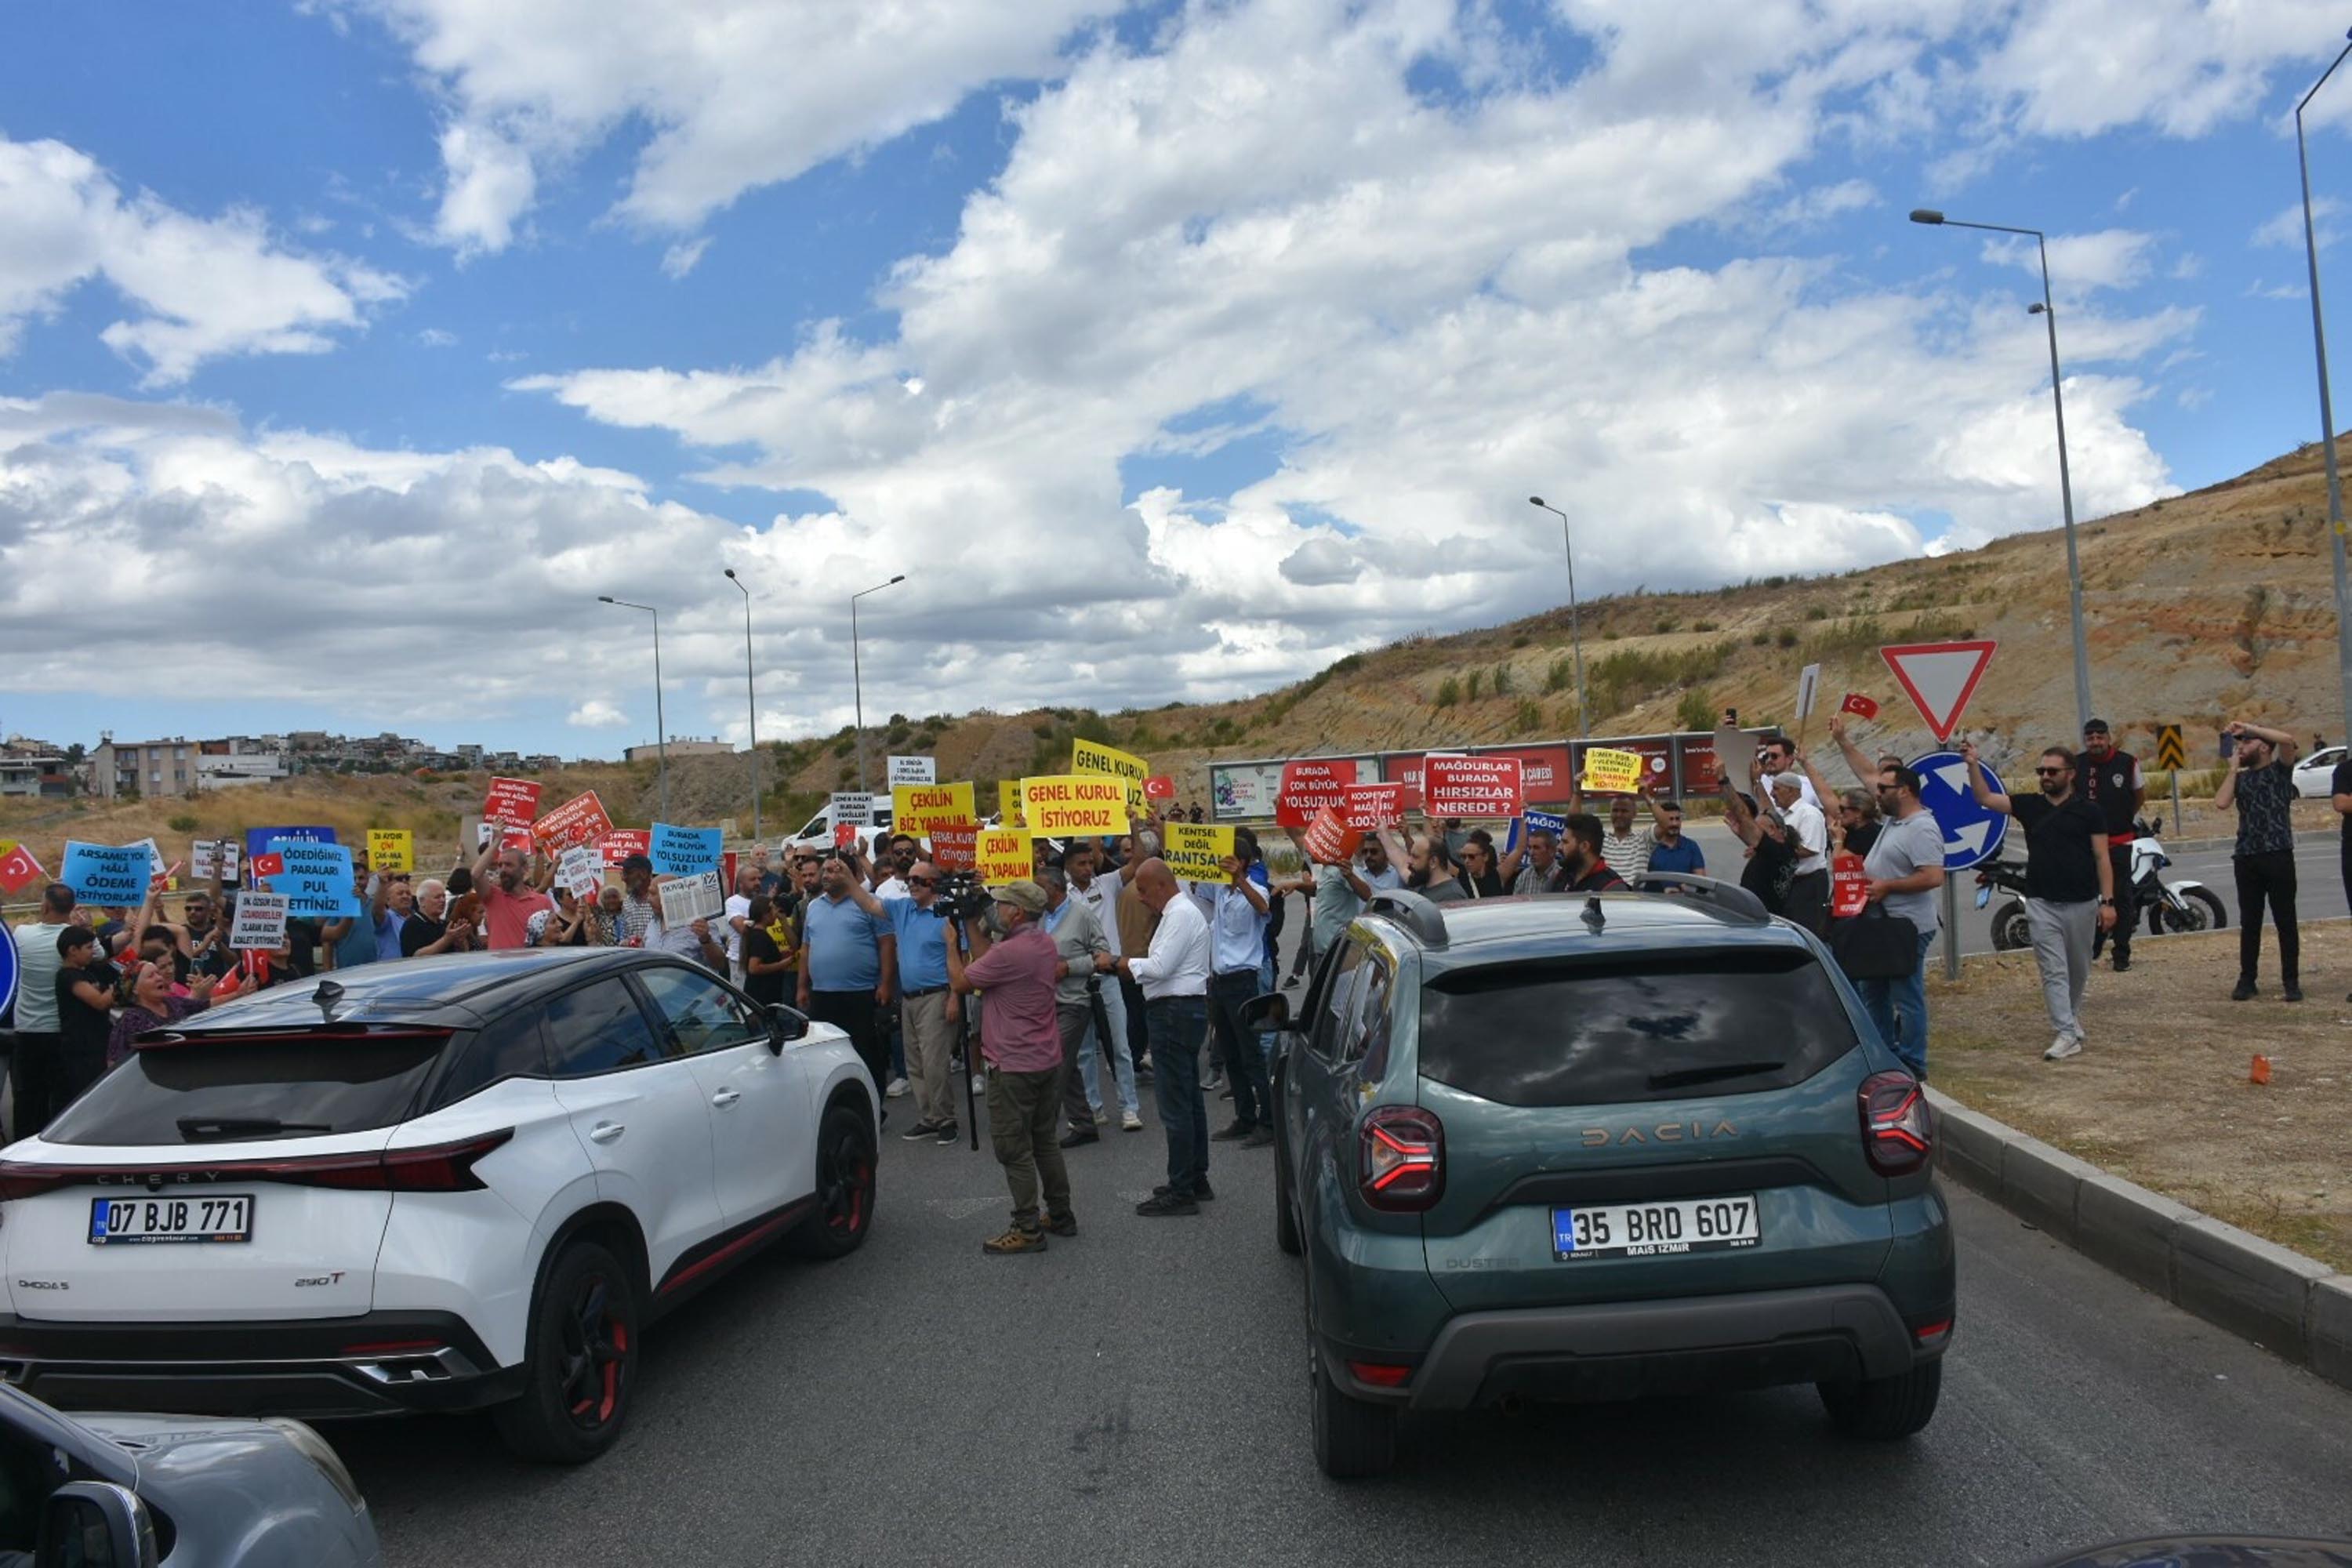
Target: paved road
(1137, 1395)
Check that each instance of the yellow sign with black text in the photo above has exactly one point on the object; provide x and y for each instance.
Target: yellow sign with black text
(1005, 855)
(1074, 803)
(1196, 851)
(914, 808)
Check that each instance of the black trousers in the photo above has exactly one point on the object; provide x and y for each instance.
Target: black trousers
(1139, 1029)
(2266, 880)
(2127, 909)
(852, 1012)
(36, 1081)
(1807, 903)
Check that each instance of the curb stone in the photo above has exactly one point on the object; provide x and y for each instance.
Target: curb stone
(2292, 1306)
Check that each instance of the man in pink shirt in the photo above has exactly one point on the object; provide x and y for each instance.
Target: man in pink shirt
(1021, 1041)
(508, 900)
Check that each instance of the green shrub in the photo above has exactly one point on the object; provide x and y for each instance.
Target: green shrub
(1476, 675)
(1560, 676)
(1816, 613)
(1705, 626)
(1620, 680)
(1449, 692)
(1666, 623)
(1528, 718)
(1502, 678)
(1785, 637)
(1760, 639)
(1695, 711)
(181, 824)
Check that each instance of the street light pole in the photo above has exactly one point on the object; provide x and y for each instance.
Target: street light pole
(1575, 630)
(752, 699)
(2328, 409)
(661, 727)
(2065, 478)
(856, 677)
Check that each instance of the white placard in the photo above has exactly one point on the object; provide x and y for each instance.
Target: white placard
(685, 900)
(914, 771)
(1809, 686)
(582, 869)
(208, 856)
(853, 808)
(260, 922)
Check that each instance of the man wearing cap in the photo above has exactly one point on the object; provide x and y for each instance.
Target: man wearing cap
(2110, 780)
(1014, 962)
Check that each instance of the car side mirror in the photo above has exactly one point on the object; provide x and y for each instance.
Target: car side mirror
(785, 1024)
(95, 1524)
(1271, 1011)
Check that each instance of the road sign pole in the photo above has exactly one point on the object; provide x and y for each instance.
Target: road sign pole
(1951, 928)
(2176, 802)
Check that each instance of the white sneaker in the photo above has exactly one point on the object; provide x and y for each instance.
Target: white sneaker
(2062, 1047)
(895, 1089)
(1130, 1121)
(979, 1084)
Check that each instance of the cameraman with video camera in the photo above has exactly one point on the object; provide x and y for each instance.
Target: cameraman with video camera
(1014, 963)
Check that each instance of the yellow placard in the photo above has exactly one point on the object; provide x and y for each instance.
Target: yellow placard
(1608, 772)
(1005, 855)
(1094, 757)
(1196, 851)
(1074, 803)
(914, 807)
(392, 850)
(1008, 802)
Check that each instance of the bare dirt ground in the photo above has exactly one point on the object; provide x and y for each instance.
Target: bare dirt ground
(2162, 1094)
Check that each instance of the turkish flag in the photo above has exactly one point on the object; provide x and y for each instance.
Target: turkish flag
(267, 866)
(1160, 786)
(845, 834)
(1858, 705)
(18, 869)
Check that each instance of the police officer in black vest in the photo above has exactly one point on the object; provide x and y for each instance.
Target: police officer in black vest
(2110, 779)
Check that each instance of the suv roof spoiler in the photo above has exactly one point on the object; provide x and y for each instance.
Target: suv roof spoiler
(1413, 913)
(1726, 901)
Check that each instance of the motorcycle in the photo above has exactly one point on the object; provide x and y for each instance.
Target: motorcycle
(2178, 906)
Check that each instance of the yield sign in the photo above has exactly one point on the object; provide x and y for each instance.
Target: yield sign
(1939, 677)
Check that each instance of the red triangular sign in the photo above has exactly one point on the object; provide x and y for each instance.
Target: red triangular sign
(1939, 677)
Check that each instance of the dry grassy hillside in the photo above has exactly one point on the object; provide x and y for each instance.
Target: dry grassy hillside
(2210, 604)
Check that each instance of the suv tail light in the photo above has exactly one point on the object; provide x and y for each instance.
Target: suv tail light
(438, 1168)
(1898, 1127)
(1401, 1158)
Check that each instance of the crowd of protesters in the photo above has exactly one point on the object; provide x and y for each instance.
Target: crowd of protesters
(1061, 996)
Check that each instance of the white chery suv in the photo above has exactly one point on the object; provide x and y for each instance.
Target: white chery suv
(438, 1184)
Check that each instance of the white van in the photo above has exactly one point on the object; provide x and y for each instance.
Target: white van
(817, 833)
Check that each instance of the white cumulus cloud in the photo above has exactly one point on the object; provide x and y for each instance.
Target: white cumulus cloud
(597, 714)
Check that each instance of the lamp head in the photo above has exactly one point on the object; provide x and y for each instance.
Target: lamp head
(899, 578)
(606, 599)
(730, 572)
(1534, 500)
(1925, 214)
(2035, 308)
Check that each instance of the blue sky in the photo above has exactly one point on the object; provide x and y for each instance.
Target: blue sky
(1172, 350)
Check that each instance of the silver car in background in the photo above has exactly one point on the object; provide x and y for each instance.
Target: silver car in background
(169, 1492)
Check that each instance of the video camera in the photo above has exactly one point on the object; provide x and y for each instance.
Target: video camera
(961, 896)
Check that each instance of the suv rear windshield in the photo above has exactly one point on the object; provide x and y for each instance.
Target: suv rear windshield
(1582, 1033)
(232, 1090)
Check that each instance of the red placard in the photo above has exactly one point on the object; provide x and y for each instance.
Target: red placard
(623, 842)
(845, 835)
(580, 820)
(955, 846)
(727, 871)
(1309, 786)
(1478, 787)
(512, 803)
(1160, 786)
(1849, 886)
(1329, 839)
(1544, 775)
(1370, 807)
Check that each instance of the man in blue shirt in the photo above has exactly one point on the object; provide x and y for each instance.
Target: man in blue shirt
(846, 957)
(929, 1014)
(1238, 910)
(1672, 851)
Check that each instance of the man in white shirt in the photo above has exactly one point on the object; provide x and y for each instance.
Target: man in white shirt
(738, 915)
(1099, 890)
(1778, 757)
(1808, 903)
(1174, 975)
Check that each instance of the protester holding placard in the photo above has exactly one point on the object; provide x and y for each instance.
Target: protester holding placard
(928, 1019)
(82, 993)
(508, 900)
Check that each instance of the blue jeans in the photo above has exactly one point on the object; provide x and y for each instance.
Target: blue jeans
(1176, 1025)
(1245, 1051)
(1906, 997)
(1122, 1062)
